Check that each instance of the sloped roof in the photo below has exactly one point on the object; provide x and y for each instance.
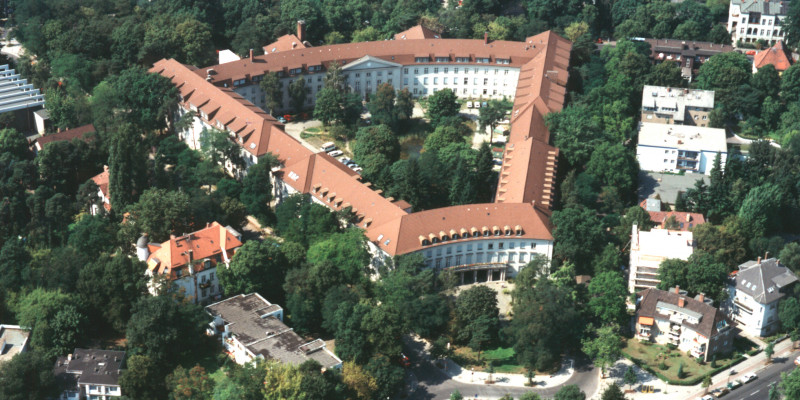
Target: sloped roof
(765, 7)
(711, 322)
(91, 366)
(67, 135)
(101, 180)
(403, 234)
(775, 55)
(207, 242)
(417, 32)
(284, 43)
(764, 281)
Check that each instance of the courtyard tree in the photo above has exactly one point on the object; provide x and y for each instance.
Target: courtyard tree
(606, 348)
(273, 93)
(297, 94)
(442, 105)
(258, 266)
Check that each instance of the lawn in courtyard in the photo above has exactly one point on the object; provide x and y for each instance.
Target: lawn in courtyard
(504, 360)
(656, 356)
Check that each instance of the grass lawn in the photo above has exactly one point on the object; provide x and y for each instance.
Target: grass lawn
(503, 358)
(655, 354)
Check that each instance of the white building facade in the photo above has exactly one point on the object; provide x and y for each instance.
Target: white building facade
(755, 294)
(680, 148)
(751, 20)
(649, 249)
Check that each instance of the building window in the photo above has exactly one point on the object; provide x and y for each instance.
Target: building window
(436, 70)
(425, 71)
(445, 81)
(455, 70)
(425, 80)
(500, 245)
(445, 70)
(435, 80)
(533, 245)
(405, 81)
(490, 246)
(422, 59)
(416, 70)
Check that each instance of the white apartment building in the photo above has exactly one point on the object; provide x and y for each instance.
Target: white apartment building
(679, 106)
(90, 374)
(676, 148)
(751, 20)
(251, 327)
(649, 249)
(755, 294)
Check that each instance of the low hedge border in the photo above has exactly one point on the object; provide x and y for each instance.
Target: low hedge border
(685, 382)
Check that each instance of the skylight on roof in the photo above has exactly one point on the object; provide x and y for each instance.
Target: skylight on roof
(294, 176)
(252, 145)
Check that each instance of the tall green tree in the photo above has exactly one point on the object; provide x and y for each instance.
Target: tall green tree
(442, 105)
(478, 303)
(257, 188)
(143, 378)
(273, 92)
(28, 376)
(126, 168)
(124, 283)
(57, 323)
(376, 139)
(297, 94)
(160, 213)
(382, 106)
(258, 266)
(608, 292)
(605, 348)
(192, 384)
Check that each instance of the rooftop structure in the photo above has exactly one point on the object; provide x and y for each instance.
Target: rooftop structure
(417, 32)
(81, 132)
(13, 340)
(251, 327)
(90, 373)
(777, 55)
(679, 106)
(16, 93)
(675, 148)
(649, 249)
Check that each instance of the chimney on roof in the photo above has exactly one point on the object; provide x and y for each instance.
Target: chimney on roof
(486, 37)
(681, 302)
(105, 168)
(251, 54)
(701, 297)
(301, 30)
(677, 289)
(766, 255)
(688, 217)
(69, 357)
(759, 260)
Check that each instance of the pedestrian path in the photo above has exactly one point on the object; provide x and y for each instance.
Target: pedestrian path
(463, 375)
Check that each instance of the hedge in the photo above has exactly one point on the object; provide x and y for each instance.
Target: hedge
(689, 382)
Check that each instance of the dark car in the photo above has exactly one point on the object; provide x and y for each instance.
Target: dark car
(404, 361)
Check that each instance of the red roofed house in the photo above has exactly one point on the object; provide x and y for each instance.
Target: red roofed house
(191, 261)
(685, 220)
(81, 132)
(776, 55)
(101, 180)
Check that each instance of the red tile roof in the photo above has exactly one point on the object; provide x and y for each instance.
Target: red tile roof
(686, 220)
(208, 242)
(284, 43)
(775, 55)
(79, 133)
(417, 32)
(101, 180)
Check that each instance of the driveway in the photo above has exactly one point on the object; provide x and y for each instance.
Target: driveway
(425, 381)
(294, 129)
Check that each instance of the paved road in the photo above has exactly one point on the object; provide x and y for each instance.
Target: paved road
(429, 382)
(759, 389)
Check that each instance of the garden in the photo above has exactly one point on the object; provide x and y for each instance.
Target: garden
(675, 366)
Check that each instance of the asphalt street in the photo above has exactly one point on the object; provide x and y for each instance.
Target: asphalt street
(759, 388)
(425, 381)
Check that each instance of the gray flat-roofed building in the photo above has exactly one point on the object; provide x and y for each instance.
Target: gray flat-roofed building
(251, 327)
(667, 105)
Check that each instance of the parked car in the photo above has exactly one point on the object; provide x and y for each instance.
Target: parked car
(797, 361)
(706, 397)
(344, 160)
(404, 361)
(733, 385)
(497, 161)
(282, 120)
(469, 104)
(647, 389)
(747, 378)
(327, 147)
(484, 104)
(477, 104)
(288, 118)
(352, 165)
(720, 392)
(335, 153)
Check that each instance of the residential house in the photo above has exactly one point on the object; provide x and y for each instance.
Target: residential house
(753, 20)
(688, 55)
(13, 341)
(190, 261)
(101, 180)
(667, 105)
(649, 249)
(756, 291)
(677, 148)
(251, 327)
(778, 55)
(691, 324)
(673, 220)
(90, 374)
(82, 132)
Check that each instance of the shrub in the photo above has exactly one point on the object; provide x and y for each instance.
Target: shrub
(681, 374)
(662, 366)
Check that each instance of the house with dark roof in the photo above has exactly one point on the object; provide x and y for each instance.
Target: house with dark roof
(756, 291)
(688, 55)
(90, 374)
(691, 324)
(251, 327)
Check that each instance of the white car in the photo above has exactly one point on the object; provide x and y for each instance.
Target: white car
(477, 104)
(706, 397)
(469, 104)
(335, 153)
(749, 377)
